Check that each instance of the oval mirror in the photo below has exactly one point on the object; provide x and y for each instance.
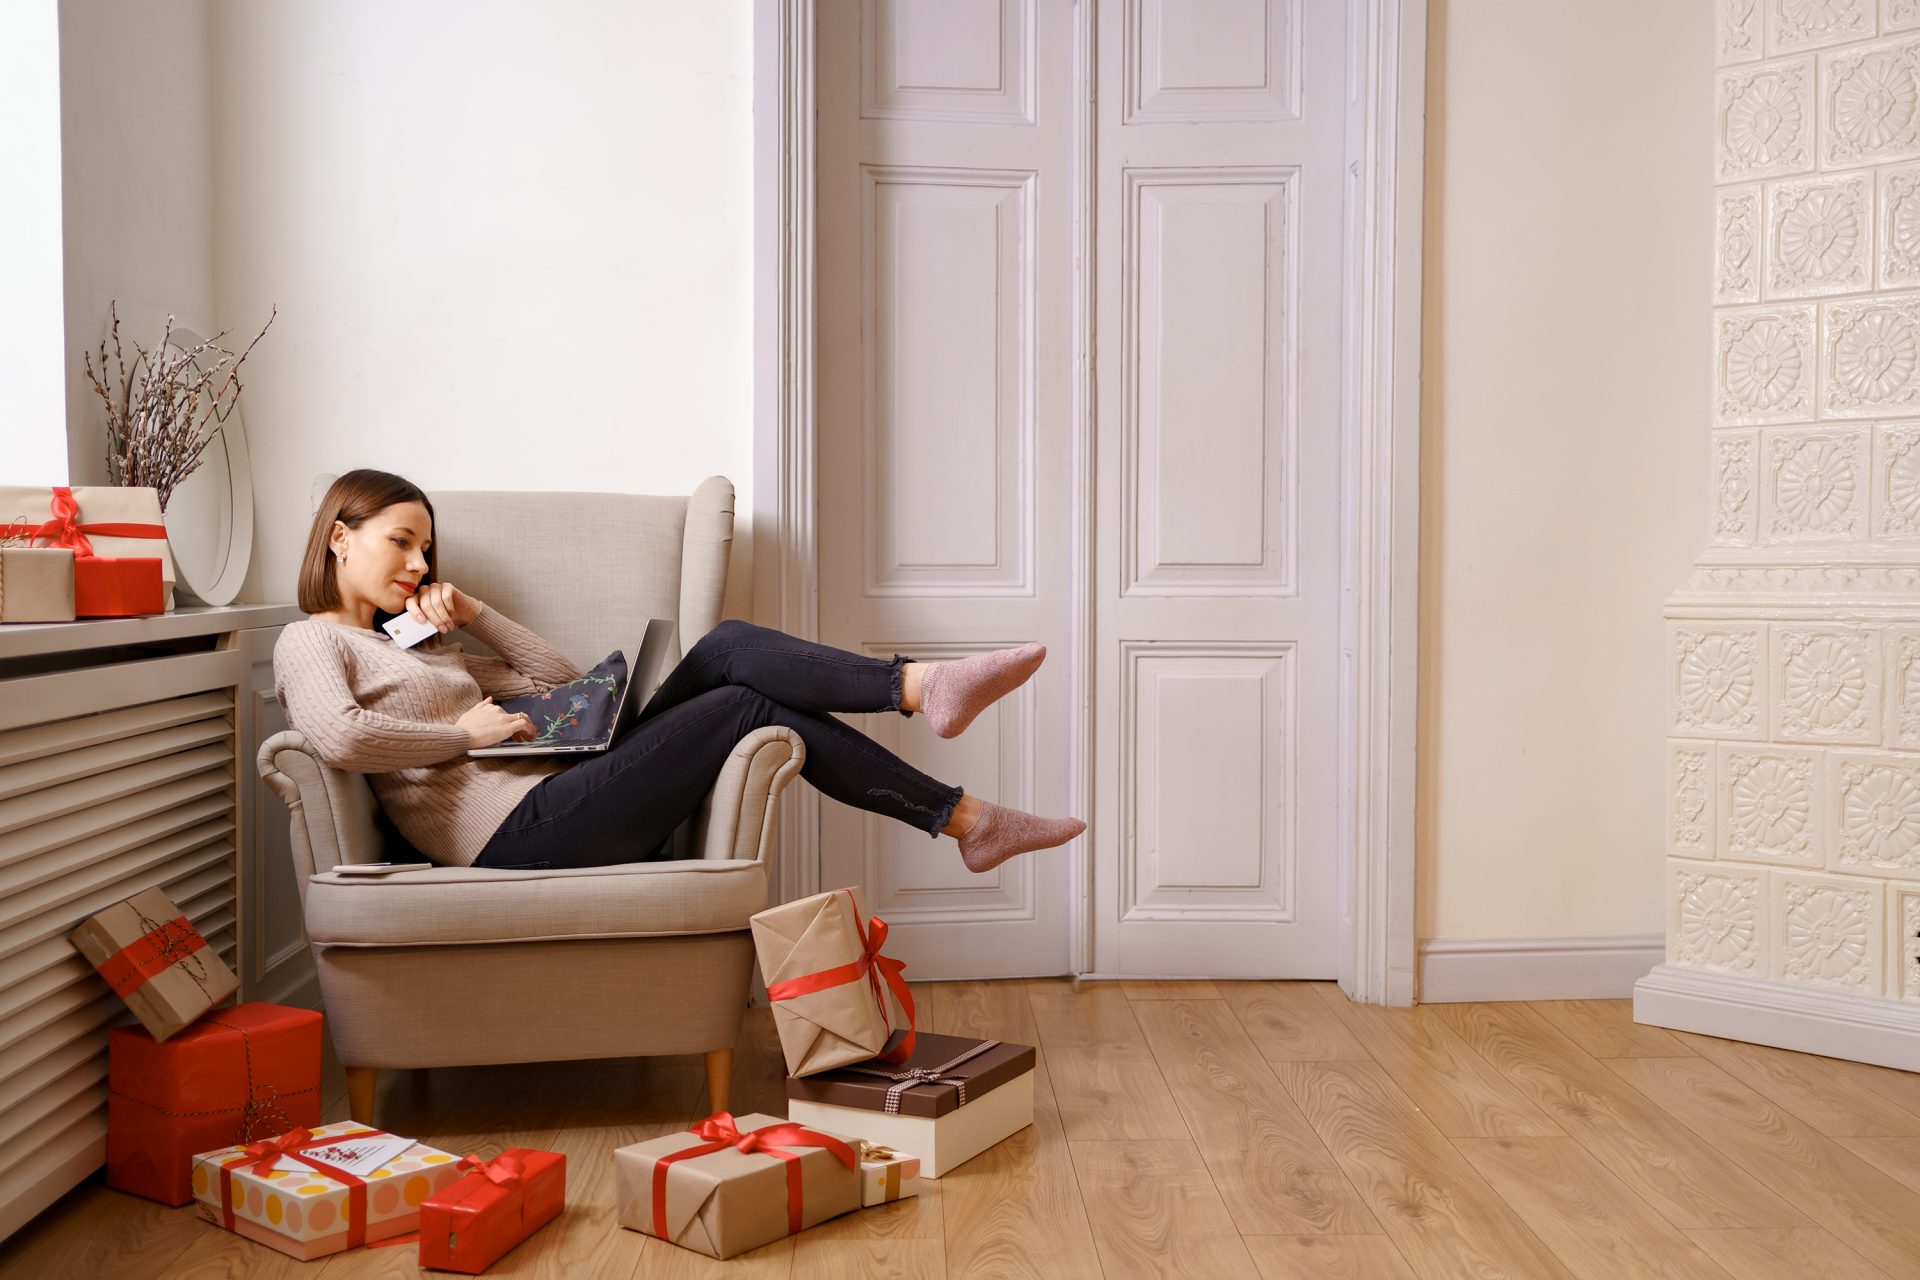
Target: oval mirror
(209, 517)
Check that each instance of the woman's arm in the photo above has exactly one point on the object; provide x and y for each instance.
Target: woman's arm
(313, 690)
(527, 664)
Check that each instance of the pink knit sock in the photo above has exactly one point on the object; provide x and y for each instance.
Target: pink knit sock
(999, 833)
(953, 693)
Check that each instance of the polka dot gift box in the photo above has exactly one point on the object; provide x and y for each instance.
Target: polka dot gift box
(278, 1193)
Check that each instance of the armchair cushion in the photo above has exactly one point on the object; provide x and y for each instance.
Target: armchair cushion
(453, 906)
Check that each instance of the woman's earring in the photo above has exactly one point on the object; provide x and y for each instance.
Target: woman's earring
(342, 555)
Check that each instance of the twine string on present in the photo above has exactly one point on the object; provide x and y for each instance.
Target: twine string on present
(942, 1074)
(175, 945)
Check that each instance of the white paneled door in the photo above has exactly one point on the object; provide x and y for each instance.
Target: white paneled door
(980, 241)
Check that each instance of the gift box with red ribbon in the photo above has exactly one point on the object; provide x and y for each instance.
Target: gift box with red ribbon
(107, 524)
(156, 961)
(730, 1184)
(235, 1075)
(836, 999)
(294, 1192)
(471, 1224)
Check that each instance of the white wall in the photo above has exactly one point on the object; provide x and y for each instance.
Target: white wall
(1567, 273)
(32, 414)
(137, 185)
(511, 246)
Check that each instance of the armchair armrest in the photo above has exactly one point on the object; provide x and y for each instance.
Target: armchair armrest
(740, 815)
(332, 811)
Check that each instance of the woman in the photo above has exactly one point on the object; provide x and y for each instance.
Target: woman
(406, 717)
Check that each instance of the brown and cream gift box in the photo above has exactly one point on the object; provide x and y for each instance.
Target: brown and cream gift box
(952, 1099)
(733, 1183)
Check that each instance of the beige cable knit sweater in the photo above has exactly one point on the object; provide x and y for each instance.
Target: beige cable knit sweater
(369, 706)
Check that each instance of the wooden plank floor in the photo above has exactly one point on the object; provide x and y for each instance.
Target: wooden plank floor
(1259, 1129)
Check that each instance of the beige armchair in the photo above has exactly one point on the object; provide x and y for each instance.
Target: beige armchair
(446, 966)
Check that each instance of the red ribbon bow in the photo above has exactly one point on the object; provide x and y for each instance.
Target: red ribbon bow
(503, 1169)
(875, 967)
(263, 1154)
(65, 529)
(720, 1132)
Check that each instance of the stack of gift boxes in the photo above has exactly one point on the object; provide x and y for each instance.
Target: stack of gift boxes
(874, 1105)
(221, 1105)
(96, 552)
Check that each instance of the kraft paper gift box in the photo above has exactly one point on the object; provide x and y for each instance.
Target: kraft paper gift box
(952, 1099)
(734, 1183)
(107, 521)
(36, 584)
(886, 1175)
(156, 961)
(273, 1193)
(235, 1075)
(835, 998)
(472, 1223)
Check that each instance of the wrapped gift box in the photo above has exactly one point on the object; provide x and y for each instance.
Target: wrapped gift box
(887, 1175)
(237, 1074)
(952, 1099)
(156, 961)
(730, 1184)
(108, 521)
(119, 588)
(36, 584)
(274, 1193)
(835, 998)
(472, 1223)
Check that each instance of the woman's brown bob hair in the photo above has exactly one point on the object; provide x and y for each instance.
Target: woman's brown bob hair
(350, 500)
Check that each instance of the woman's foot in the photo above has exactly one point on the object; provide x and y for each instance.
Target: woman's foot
(998, 833)
(953, 693)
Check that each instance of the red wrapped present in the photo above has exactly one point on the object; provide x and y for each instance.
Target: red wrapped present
(474, 1223)
(120, 588)
(235, 1075)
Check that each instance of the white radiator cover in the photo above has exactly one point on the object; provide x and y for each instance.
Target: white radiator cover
(115, 776)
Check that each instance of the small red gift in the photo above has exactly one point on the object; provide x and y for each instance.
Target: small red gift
(236, 1074)
(119, 588)
(474, 1223)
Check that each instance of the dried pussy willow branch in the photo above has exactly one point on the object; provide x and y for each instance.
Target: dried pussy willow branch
(158, 411)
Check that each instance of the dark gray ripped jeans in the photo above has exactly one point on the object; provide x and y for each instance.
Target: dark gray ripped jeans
(621, 804)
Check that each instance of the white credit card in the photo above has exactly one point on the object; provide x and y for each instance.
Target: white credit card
(408, 631)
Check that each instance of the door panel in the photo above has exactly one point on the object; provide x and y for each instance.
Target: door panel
(944, 262)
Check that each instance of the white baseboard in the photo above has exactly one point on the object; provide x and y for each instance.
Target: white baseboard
(1460, 969)
(1785, 1015)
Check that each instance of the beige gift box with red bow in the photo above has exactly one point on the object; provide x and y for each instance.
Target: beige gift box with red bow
(106, 521)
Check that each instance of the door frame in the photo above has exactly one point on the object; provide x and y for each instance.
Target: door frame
(1380, 455)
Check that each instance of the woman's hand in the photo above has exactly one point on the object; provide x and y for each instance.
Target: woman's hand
(443, 605)
(487, 723)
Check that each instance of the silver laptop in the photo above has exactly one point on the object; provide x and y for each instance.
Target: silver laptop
(645, 671)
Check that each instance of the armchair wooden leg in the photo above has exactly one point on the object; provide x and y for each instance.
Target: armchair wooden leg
(719, 1077)
(360, 1082)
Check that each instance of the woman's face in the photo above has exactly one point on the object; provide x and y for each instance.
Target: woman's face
(385, 557)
